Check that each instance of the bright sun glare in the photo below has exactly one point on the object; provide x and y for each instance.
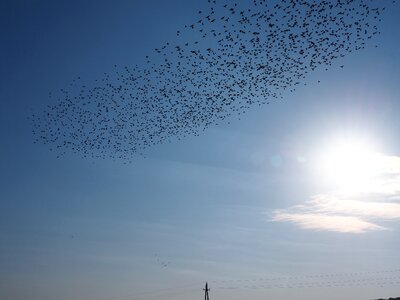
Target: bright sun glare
(349, 165)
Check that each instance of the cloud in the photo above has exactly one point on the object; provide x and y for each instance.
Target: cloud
(335, 223)
(335, 204)
(351, 212)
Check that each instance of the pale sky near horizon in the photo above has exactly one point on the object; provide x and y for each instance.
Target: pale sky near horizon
(244, 206)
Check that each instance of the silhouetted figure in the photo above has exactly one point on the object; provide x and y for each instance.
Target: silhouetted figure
(206, 290)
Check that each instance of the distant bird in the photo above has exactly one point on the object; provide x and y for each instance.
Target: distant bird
(162, 263)
(240, 54)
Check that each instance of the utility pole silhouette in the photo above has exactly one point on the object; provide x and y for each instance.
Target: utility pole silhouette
(206, 290)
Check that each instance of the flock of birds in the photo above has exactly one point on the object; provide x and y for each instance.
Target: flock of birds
(236, 55)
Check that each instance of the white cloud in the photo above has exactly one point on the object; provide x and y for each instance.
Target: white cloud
(361, 208)
(335, 223)
(351, 212)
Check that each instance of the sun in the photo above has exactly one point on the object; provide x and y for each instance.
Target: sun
(348, 164)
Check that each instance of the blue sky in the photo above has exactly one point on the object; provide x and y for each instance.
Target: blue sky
(214, 207)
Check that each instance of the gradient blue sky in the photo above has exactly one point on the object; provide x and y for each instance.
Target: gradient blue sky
(88, 229)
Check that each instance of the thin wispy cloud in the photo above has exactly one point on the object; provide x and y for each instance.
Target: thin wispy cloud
(319, 222)
(357, 211)
(332, 204)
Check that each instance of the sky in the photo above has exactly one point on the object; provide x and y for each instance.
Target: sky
(246, 206)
